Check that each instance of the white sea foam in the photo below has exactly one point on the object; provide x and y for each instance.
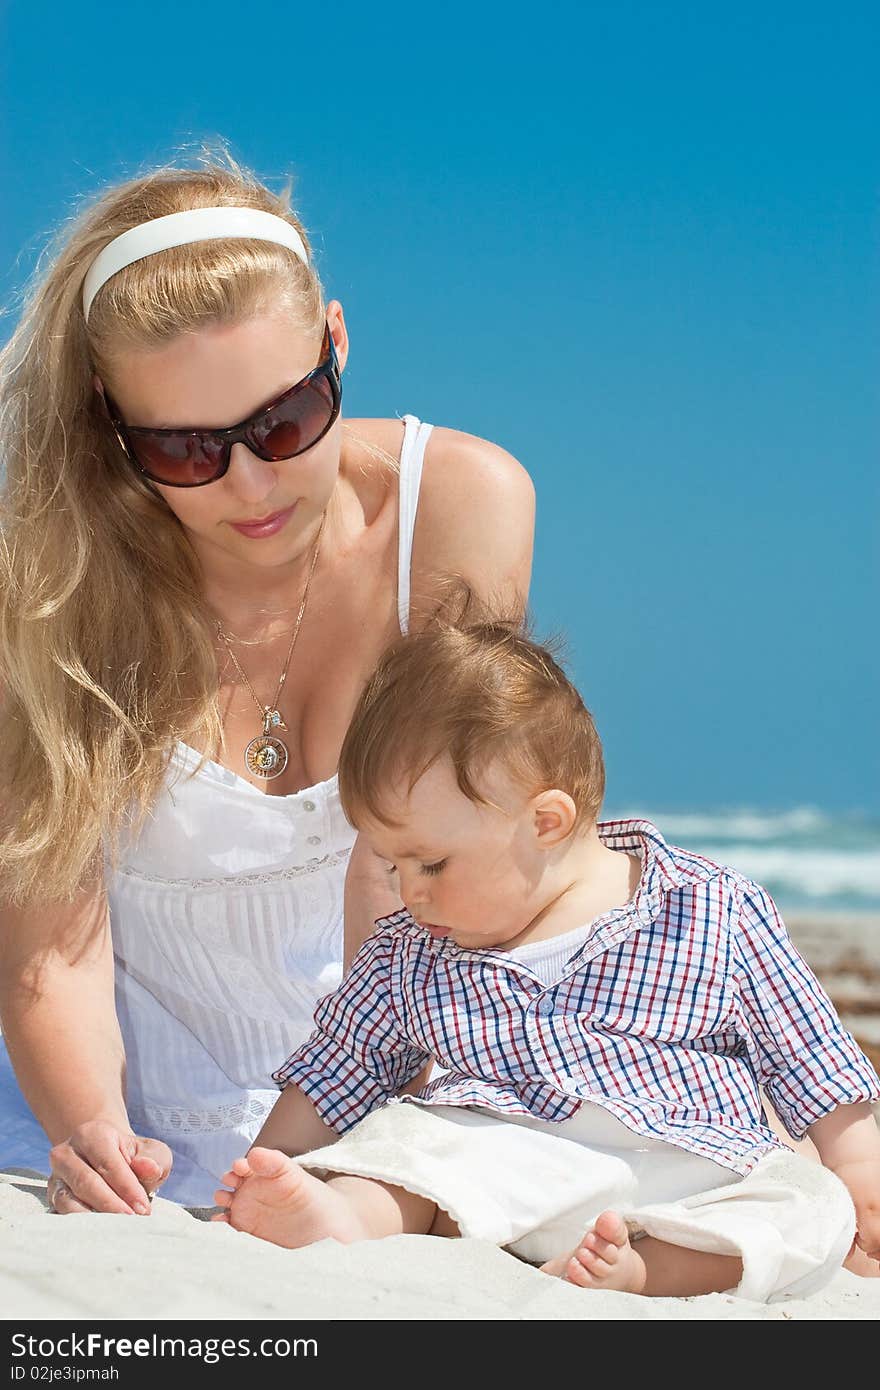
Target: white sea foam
(801, 855)
(746, 824)
(803, 872)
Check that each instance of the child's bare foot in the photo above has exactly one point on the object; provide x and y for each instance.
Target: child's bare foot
(603, 1260)
(275, 1199)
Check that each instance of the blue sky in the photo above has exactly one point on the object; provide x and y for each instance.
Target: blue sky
(636, 244)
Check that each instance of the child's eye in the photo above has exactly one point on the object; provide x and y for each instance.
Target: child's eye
(428, 869)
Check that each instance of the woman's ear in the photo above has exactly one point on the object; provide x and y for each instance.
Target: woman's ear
(554, 817)
(336, 320)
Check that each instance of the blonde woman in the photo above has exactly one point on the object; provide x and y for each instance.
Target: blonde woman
(200, 564)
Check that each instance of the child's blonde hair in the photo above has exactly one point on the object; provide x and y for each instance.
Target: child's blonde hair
(477, 691)
(106, 647)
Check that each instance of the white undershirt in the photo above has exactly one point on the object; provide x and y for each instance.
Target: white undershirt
(549, 957)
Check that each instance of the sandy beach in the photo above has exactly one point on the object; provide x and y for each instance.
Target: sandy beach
(175, 1266)
(170, 1266)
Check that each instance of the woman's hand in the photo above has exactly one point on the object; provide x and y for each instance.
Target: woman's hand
(103, 1168)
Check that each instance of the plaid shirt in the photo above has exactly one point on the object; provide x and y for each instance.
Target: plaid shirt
(673, 1012)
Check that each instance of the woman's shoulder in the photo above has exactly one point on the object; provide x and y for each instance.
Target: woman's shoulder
(476, 515)
(479, 468)
(467, 484)
(464, 458)
(465, 478)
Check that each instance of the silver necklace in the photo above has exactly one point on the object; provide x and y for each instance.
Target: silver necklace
(266, 755)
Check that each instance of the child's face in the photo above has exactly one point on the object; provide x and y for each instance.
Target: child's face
(466, 871)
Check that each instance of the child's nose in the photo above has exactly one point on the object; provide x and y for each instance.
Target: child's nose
(414, 892)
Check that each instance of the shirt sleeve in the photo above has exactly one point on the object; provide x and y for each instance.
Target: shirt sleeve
(803, 1056)
(358, 1057)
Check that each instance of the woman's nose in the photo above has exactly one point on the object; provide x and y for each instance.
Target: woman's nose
(249, 477)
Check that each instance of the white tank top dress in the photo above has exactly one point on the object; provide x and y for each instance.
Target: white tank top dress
(226, 919)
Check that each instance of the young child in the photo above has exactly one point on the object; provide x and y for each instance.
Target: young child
(605, 1008)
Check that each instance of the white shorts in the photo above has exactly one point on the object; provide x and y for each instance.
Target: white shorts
(535, 1187)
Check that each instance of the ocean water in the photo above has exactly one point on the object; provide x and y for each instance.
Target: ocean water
(806, 858)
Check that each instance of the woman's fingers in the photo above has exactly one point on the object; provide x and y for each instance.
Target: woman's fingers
(93, 1166)
(62, 1200)
(151, 1163)
(100, 1168)
(86, 1185)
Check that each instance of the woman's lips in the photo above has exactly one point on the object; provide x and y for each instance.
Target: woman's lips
(268, 527)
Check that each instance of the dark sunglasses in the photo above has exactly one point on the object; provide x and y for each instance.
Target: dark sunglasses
(282, 429)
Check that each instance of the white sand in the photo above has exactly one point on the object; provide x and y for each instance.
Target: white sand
(169, 1266)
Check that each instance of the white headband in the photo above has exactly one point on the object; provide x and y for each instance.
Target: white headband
(180, 228)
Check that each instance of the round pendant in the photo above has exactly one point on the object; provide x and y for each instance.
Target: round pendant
(266, 756)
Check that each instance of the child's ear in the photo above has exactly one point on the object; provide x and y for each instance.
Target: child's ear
(554, 817)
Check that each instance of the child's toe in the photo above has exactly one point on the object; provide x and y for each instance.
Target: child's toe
(610, 1227)
(605, 1250)
(576, 1274)
(592, 1262)
(267, 1163)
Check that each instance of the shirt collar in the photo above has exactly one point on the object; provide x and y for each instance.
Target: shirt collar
(643, 838)
(663, 871)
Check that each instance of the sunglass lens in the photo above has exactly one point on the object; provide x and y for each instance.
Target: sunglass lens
(295, 424)
(183, 460)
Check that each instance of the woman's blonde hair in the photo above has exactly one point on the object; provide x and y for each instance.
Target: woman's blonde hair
(106, 646)
(475, 690)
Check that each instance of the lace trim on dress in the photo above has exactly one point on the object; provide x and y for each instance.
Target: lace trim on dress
(180, 1119)
(311, 866)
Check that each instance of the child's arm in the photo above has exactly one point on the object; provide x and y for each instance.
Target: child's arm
(293, 1125)
(357, 1058)
(371, 892)
(360, 1054)
(814, 1071)
(848, 1141)
(801, 1053)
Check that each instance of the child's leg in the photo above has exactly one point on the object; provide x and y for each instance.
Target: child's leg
(482, 1175)
(781, 1232)
(857, 1262)
(274, 1198)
